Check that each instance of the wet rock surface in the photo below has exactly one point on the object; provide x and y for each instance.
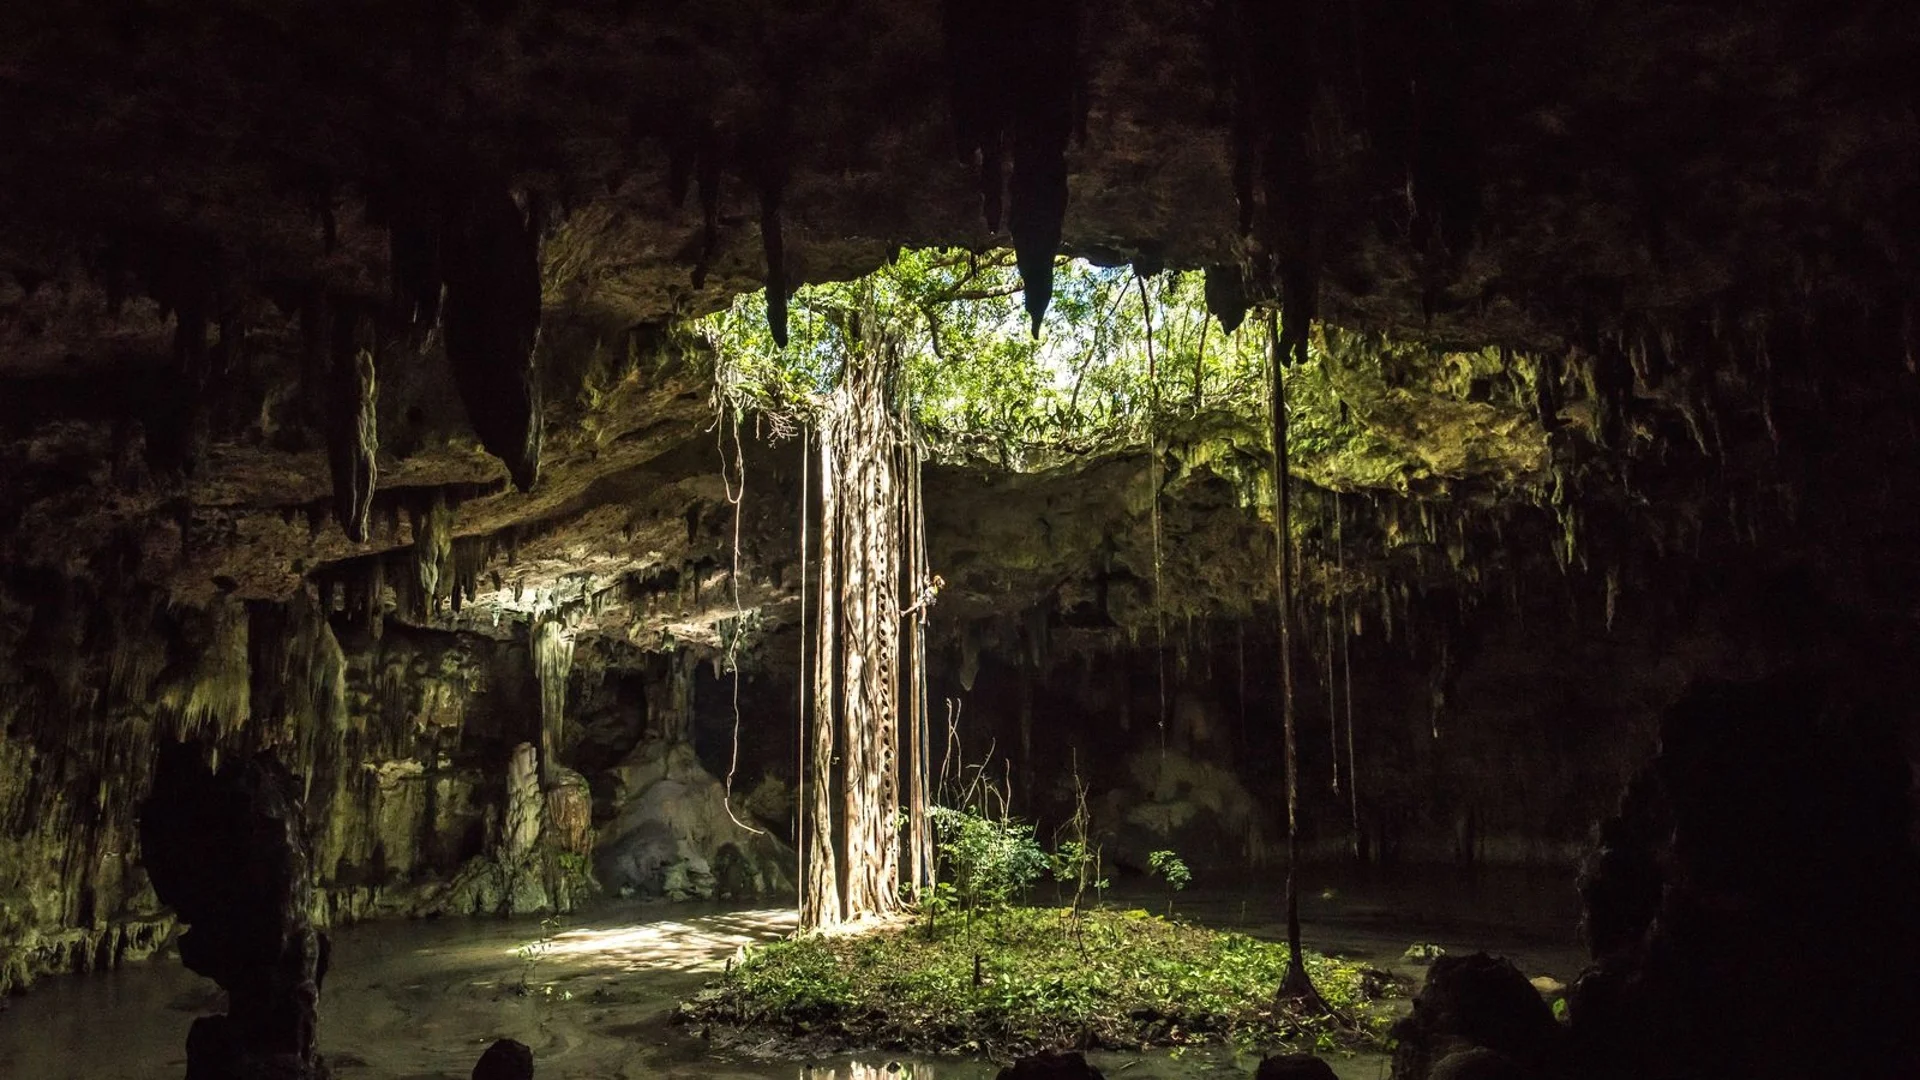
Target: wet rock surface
(1051, 1065)
(1469, 1002)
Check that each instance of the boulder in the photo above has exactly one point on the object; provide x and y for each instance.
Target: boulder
(1293, 1067)
(1479, 1063)
(1470, 1002)
(1051, 1065)
(505, 1060)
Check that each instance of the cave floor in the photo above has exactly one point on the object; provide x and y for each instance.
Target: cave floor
(417, 1000)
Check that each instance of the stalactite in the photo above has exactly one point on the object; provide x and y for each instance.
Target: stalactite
(177, 423)
(707, 175)
(352, 422)
(1226, 295)
(1014, 67)
(432, 555)
(214, 694)
(492, 317)
(1275, 79)
(776, 253)
(552, 645)
(413, 261)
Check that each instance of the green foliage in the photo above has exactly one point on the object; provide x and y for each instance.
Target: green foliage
(976, 383)
(1127, 979)
(1077, 864)
(790, 982)
(1171, 867)
(989, 862)
(1124, 360)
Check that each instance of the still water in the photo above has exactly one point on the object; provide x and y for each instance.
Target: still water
(421, 1000)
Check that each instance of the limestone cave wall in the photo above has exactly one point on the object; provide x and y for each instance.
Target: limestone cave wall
(400, 743)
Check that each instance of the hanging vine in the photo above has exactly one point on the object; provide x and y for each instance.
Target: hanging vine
(1154, 482)
(736, 498)
(1346, 663)
(1298, 985)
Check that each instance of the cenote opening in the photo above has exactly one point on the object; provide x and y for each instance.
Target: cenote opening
(581, 540)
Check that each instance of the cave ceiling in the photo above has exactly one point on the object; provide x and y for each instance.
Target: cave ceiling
(1687, 213)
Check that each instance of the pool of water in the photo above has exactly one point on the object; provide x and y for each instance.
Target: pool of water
(419, 1000)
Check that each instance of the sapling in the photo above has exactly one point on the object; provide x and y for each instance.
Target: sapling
(1170, 866)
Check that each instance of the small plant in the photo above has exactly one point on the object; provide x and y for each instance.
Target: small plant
(1173, 868)
(991, 863)
(1076, 860)
(531, 953)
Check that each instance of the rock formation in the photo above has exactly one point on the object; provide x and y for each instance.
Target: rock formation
(676, 836)
(1472, 1003)
(505, 1060)
(1293, 1067)
(1720, 903)
(1051, 1065)
(227, 851)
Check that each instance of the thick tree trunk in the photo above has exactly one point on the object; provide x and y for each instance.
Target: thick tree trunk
(854, 862)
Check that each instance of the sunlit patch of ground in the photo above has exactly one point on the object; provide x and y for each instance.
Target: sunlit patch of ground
(702, 943)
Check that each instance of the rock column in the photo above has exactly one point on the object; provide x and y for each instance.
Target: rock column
(227, 851)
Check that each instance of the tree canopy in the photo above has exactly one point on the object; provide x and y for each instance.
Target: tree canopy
(1124, 359)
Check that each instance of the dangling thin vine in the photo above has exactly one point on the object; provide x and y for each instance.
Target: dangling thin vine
(1297, 985)
(1346, 664)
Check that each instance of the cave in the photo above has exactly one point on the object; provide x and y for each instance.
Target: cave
(862, 536)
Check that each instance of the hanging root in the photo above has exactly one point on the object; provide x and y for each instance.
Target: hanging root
(735, 498)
